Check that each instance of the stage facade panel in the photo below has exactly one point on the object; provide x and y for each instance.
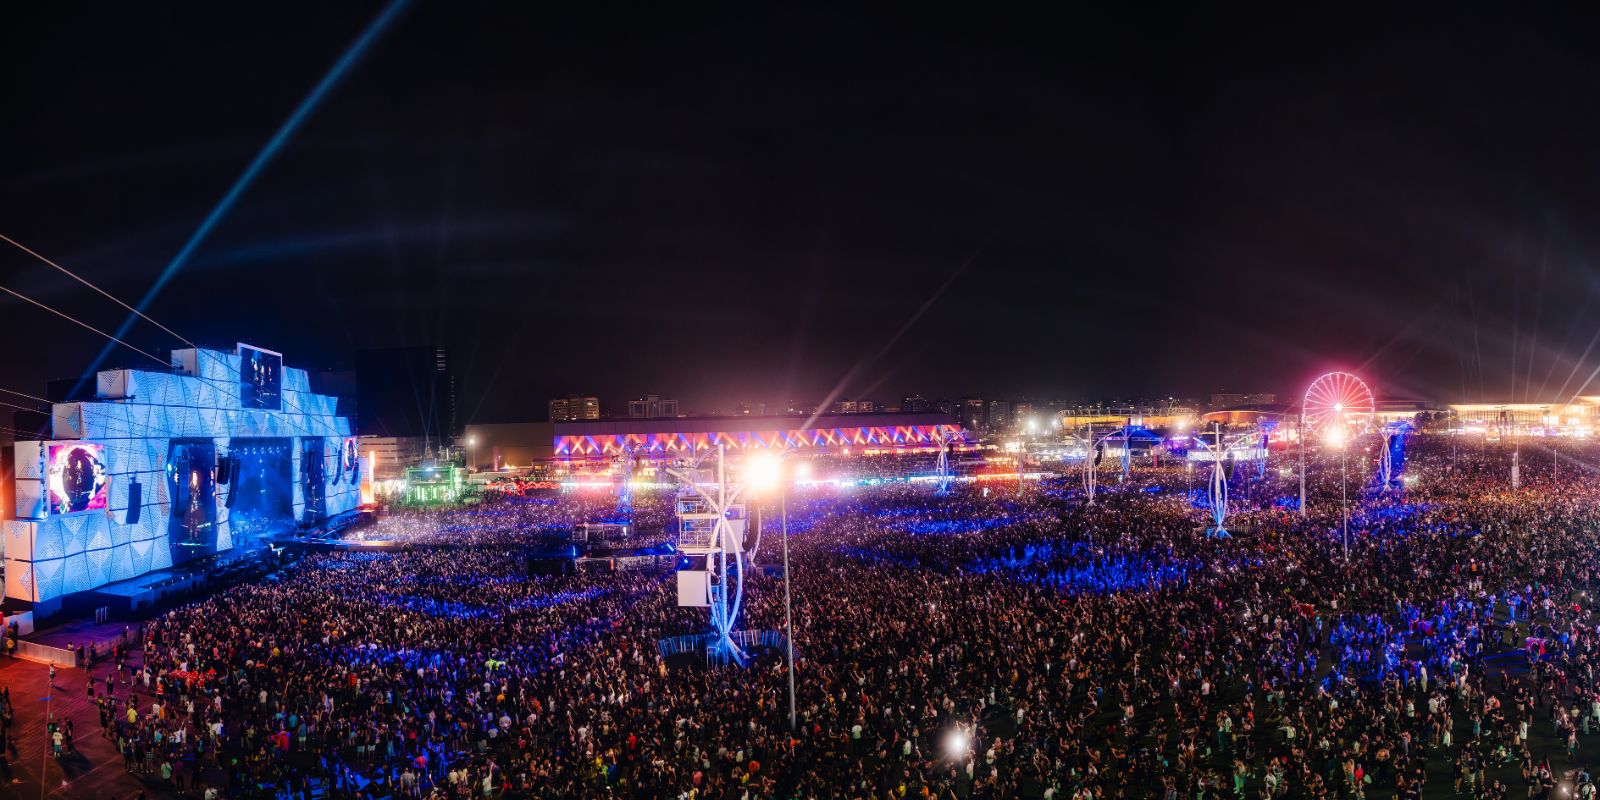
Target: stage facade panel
(165, 467)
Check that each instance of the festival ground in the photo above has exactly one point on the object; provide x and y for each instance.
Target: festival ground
(1013, 642)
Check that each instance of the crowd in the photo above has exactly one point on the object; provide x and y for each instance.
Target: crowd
(542, 520)
(1014, 642)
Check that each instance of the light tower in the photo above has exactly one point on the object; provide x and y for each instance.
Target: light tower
(711, 526)
(627, 464)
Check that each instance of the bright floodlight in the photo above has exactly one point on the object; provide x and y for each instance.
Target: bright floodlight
(956, 743)
(1335, 436)
(763, 471)
(802, 470)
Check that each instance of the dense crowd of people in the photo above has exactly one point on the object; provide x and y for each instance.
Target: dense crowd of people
(541, 520)
(1002, 640)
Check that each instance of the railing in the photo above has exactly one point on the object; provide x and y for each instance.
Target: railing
(697, 534)
(699, 642)
(678, 645)
(61, 656)
(693, 505)
(750, 640)
(43, 653)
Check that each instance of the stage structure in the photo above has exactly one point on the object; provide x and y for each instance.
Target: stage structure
(435, 484)
(627, 465)
(711, 526)
(165, 467)
(658, 441)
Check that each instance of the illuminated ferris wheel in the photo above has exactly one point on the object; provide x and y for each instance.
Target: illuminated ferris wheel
(1337, 401)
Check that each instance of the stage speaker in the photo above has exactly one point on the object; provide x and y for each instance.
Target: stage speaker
(232, 492)
(224, 470)
(135, 501)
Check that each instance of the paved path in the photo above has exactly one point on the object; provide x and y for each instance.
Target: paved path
(95, 771)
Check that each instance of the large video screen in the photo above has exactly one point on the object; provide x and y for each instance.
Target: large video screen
(313, 478)
(77, 478)
(260, 378)
(350, 465)
(192, 485)
(262, 495)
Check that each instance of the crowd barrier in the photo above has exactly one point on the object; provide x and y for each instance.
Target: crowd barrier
(745, 640)
(45, 654)
(63, 657)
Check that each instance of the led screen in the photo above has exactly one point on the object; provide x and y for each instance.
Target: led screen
(192, 485)
(262, 499)
(260, 378)
(352, 462)
(313, 478)
(77, 478)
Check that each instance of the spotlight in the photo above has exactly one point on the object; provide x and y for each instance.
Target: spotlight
(956, 743)
(763, 471)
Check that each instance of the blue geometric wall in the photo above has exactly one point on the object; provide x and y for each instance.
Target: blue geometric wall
(135, 416)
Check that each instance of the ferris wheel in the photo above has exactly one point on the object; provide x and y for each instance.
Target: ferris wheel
(1337, 401)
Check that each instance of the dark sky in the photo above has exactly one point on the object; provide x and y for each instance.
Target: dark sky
(750, 203)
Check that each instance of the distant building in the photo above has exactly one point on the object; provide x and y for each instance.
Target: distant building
(1234, 399)
(652, 406)
(970, 412)
(998, 415)
(391, 455)
(1023, 414)
(574, 407)
(514, 445)
(915, 404)
(406, 392)
(853, 407)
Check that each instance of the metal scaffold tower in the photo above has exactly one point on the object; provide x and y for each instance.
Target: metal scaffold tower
(627, 465)
(711, 530)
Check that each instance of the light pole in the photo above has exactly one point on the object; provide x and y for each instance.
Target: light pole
(1339, 438)
(1344, 501)
(1302, 436)
(472, 454)
(788, 611)
(767, 471)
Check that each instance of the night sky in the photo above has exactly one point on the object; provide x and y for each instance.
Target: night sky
(758, 204)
